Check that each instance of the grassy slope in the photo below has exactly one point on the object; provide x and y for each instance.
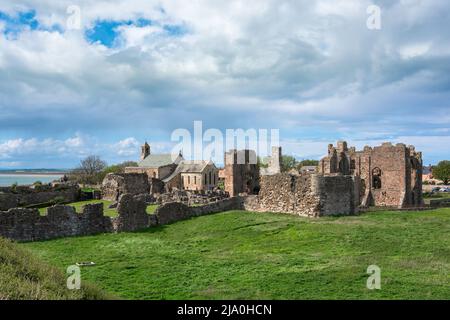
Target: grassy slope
(108, 212)
(23, 276)
(269, 256)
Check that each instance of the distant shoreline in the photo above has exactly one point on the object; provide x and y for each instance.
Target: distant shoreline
(33, 173)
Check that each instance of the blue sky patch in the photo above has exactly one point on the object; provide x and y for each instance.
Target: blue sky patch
(16, 24)
(106, 31)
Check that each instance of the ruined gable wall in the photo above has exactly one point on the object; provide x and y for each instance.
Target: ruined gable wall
(392, 162)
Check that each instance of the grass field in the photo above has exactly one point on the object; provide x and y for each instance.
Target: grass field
(23, 276)
(107, 212)
(242, 255)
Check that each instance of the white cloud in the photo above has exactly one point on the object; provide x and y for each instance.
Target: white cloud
(298, 65)
(127, 147)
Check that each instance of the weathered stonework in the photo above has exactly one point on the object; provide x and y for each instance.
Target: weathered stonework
(132, 214)
(115, 185)
(391, 175)
(241, 172)
(274, 163)
(175, 211)
(61, 221)
(24, 196)
(304, 195)
(191, 198)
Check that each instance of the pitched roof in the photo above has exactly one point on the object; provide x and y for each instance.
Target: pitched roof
(189, 166)
(158, 160)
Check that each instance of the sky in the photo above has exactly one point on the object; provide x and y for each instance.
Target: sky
(101, 77)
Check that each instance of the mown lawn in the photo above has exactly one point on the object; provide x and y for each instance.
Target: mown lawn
(107, 212)
(242, 255)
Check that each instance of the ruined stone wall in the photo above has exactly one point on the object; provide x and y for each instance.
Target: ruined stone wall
(61, 221)
(274, 163)
(132, 214)
(115, 185)
(241, 172)
(175, 211)
(391, 175)
(308, 195)
(26, 196)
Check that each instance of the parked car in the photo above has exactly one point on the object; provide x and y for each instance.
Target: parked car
(444, 189)
(435, 189)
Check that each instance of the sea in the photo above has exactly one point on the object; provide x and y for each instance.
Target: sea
(7, 179)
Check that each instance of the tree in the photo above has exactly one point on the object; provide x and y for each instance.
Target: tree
(92, 165)
(442, 171)
(309, 163)
(116, 168)
(288, 163)
(89, 170)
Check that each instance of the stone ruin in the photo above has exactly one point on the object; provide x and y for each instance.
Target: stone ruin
(391, 175)
(241, 172)
(27, 225)
(387, 175)
(22, 196)
(116, 184)
(191, 198)
(273, 163)
(308, 195)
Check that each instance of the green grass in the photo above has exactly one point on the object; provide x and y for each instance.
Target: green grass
(242, 255)
(107, 212)
(23, 276)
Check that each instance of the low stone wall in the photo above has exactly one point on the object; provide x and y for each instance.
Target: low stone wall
(61, 221)
(26, 225)
(440, 203)
(25, 196)
(308, 195)
(175, 211)
(192, 198)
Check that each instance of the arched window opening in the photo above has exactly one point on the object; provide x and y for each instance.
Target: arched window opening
(376, 178)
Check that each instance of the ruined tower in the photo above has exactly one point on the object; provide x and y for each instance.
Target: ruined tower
(145, 150)
(241, 172)
(391, 175)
